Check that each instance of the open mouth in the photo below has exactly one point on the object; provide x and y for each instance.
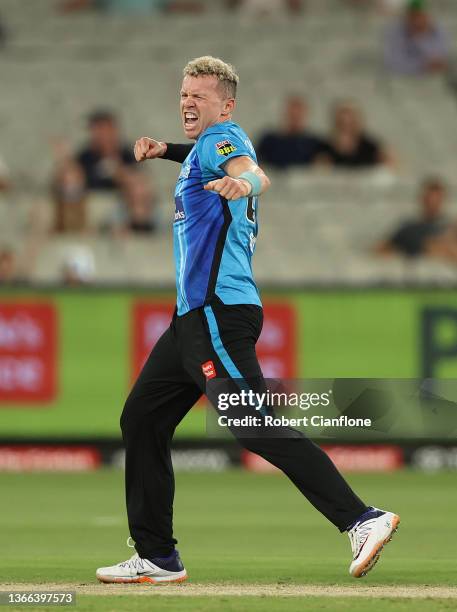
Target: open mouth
(190, 119)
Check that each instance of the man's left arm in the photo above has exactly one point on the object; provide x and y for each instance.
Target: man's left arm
(243, 179)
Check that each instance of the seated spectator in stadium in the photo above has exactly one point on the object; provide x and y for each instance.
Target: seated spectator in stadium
(266, 7)
(137, 213)
(134, 7)
(430, 234)
(293, 144)
(350, 147)
(416, 44)
(105, 159)
(70, 198)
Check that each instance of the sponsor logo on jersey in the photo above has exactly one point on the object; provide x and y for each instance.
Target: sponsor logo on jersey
(225, 147)
(209, 370)
(180, 215)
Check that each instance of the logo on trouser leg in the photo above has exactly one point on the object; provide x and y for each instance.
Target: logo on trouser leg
(209, 370)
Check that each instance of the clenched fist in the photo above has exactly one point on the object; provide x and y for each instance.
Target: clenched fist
(148, 148)
(230, 188)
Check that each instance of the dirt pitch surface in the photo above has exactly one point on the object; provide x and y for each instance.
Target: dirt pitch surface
(234, 590)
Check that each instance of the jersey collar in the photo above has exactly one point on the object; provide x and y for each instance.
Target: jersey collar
(216, 128)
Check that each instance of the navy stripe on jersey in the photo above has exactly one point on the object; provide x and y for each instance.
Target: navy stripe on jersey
(219, 250)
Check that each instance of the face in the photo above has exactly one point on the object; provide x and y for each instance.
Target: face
(203, 104)
(296, 114)
(433, 201)
(104, 136)
(347, 118)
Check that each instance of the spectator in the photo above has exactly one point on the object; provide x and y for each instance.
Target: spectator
(416, 44)
(105, 159)
(137, 213)
(134, 7)
(293, 144)
(430, 234)
(70, 199)
(350, 147)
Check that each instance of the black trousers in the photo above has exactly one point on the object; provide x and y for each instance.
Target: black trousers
(215, 340)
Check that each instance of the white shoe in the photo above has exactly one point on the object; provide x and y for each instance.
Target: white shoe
(368, 536)
(137, 569)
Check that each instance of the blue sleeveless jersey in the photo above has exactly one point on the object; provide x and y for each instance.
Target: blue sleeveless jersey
(214, 239)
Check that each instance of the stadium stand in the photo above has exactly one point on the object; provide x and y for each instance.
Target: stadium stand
(57, 68)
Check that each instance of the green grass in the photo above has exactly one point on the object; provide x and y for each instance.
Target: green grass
(258, 604)
(248, 604)
(232, 527)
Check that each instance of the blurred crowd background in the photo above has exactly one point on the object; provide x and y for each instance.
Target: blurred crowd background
(352, 105)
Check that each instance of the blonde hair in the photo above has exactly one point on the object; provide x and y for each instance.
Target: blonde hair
(213, 66)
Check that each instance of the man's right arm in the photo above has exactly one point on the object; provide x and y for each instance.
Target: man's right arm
(148, 148)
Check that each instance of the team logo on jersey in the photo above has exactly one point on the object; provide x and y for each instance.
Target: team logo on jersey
(225, 148)
(209, 370)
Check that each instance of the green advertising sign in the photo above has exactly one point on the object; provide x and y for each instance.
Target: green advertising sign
(336, 334)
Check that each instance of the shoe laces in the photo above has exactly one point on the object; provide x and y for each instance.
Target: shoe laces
(135, 562)
(358, 535)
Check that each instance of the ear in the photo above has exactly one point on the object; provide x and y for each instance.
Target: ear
(228, 108)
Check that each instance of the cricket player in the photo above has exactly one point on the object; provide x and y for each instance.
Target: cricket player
(212, 335)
